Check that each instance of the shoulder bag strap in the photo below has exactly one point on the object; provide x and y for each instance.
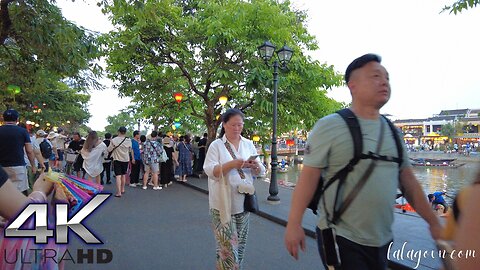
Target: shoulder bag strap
(152, 145)
(230, 150)
(118, 145)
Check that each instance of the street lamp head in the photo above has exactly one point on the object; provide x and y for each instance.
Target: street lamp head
(266, 50)
(284, 55)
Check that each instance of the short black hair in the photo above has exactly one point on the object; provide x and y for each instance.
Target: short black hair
(154, 134)
(122, 130)
(143, 138)
(108, 135)
(135, 133)
(360, 62)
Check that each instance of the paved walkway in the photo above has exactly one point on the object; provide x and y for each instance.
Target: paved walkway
(170, 229)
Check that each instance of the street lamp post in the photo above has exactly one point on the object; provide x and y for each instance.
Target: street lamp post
(284, 55)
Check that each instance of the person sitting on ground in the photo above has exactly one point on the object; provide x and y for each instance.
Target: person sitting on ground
(437, 199)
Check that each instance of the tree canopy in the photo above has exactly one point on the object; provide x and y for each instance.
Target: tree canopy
(207, 49)
(45, 59)
(461, 5)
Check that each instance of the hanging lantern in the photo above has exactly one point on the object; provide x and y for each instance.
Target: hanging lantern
(256, 138)
(177, 124)
(290, 142)
(14, 88)
(178, 97)
(174, 127)
(223, 100)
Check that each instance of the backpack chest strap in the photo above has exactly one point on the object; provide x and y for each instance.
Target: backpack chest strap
(375, 156)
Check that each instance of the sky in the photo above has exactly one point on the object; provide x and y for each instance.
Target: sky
(432, 57)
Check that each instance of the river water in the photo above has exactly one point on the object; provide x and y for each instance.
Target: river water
(431, 178)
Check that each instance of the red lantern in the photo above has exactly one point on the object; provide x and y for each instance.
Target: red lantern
(178, 97)
(290, 142)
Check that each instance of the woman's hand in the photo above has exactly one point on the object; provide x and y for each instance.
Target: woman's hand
(252, 164)
(236, 164)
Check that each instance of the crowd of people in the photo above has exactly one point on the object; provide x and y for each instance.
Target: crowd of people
(156, 160)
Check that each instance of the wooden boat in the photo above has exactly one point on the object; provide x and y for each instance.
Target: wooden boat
(430, 162)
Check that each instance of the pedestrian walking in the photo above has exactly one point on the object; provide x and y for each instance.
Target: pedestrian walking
(230, 171)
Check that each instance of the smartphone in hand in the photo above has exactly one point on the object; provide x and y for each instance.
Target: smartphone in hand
(253, 157)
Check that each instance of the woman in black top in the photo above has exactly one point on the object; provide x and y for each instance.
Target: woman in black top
(166, 168)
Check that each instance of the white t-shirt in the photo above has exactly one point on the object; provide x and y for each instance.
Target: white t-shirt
(93, 160)
(35, 146)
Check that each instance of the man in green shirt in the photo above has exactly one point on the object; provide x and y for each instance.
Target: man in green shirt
(363, 232)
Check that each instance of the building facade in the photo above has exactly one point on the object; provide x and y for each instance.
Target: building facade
(463, 125)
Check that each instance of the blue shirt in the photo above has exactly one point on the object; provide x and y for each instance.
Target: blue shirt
(12, 141)
(438, 197)
(136, 150)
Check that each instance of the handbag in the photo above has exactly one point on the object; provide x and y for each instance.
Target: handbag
(250, 203)
(225, 199)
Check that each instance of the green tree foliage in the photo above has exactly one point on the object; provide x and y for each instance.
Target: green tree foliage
(448, 130)
(461, 5)
(48, 57)
(207, 49)
(123, 119)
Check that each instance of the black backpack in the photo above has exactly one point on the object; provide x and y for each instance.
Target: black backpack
(46, 149)
(354, 127)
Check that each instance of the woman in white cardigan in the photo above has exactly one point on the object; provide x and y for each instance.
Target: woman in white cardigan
(93, 153)
(229, 156)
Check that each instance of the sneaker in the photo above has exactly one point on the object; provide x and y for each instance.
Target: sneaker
(169, 183)
(132, 185)
(139, 184)
(157, 188)
(150, 183)
(144, 187)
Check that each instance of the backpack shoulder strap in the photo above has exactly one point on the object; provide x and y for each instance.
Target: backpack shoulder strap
(354, 128)
(398, 142)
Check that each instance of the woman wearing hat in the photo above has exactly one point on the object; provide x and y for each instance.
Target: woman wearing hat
(166, 168)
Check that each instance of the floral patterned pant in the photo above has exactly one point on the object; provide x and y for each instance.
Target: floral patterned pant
(231, 240)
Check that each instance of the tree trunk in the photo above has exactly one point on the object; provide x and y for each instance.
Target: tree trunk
(212, 124)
